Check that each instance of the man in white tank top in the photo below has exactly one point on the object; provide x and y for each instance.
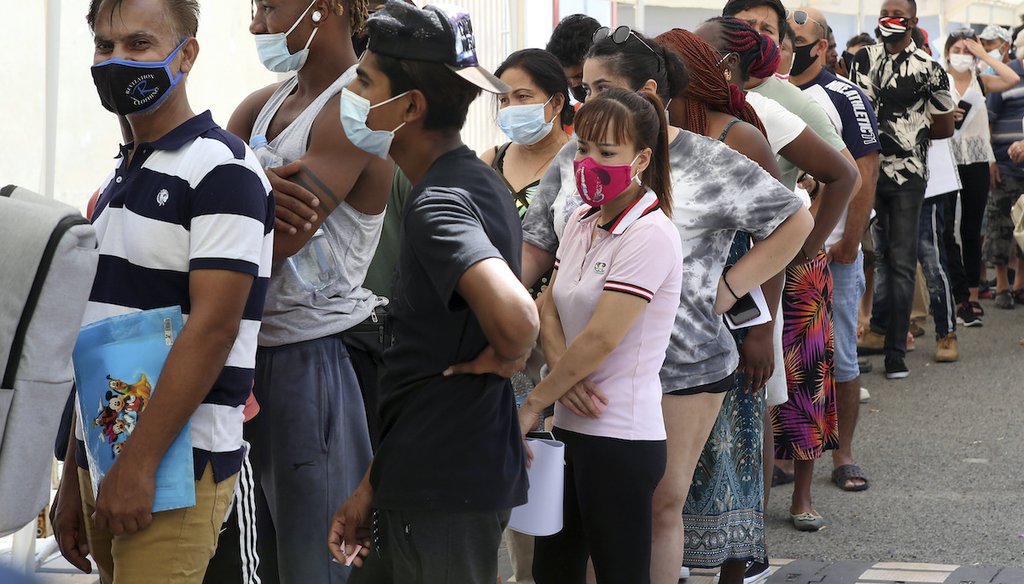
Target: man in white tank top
(310, 445)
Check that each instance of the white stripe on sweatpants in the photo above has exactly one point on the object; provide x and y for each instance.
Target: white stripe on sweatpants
(245, 511)
(947, 290)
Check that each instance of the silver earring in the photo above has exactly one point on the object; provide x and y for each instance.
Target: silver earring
(317, 16)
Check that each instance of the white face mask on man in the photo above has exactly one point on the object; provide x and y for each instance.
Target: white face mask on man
(273, 48)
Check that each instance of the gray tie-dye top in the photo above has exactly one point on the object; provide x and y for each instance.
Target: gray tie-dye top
(716, 192)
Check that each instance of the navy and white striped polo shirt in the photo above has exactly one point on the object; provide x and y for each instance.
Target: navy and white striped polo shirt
(195, 199)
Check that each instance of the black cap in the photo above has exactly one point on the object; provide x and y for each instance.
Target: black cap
(435, 34)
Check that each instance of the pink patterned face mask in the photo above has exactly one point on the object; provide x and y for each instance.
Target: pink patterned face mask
(599, 184)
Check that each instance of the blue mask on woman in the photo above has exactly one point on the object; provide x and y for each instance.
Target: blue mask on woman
(525, 124)
(273, 48)
(354, 111)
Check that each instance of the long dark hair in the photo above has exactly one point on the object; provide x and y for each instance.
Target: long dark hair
(546, 72)
(636, 62)
(708, 88)
(635, 117)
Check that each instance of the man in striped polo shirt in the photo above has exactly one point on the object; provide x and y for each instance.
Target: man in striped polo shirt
(185, 219)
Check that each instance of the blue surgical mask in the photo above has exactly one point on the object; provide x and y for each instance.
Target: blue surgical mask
(525, 124)
(273, 48)
(354, 111)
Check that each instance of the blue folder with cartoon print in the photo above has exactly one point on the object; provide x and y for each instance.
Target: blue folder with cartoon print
(117, 363)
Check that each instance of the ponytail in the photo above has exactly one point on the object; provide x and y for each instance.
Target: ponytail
(658, 174)
(638, 59)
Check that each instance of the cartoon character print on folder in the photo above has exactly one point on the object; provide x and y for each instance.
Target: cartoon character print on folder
(119, 410)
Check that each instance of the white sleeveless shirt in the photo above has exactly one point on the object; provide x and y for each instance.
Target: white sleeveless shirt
(292, 314)
(972, 143)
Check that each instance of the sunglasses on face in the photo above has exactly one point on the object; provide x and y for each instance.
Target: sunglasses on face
(620, 35)
(801, 18)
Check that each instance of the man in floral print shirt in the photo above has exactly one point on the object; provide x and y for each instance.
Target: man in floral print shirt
(910, 94)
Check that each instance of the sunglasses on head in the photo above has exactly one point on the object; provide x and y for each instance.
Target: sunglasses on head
(964, 33)
(801, 18)
(620, 35)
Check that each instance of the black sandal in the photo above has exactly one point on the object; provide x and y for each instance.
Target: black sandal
(842, 475)
(781, 477)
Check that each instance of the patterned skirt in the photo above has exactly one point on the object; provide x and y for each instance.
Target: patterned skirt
(806, 425)
(723, 516)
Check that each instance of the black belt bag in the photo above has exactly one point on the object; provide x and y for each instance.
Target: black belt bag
(373, 335)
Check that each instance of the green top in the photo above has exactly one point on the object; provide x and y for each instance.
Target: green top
(803, 106)
(380, 276)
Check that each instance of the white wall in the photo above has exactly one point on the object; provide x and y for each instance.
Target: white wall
(87, 137)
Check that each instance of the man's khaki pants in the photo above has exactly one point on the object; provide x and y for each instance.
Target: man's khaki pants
(174, 549)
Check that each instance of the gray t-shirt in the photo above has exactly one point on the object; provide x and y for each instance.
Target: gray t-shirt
(716, 192)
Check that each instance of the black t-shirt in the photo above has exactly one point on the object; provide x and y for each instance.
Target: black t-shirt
(448, 443)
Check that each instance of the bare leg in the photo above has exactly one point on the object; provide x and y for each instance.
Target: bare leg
(688, 423)
(802, 487)
(1002, 278)
(848, 404)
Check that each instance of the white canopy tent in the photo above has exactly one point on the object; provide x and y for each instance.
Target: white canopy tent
(66, 165)
(849, 17)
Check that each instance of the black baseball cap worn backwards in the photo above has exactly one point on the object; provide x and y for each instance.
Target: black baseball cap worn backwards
(435, 34)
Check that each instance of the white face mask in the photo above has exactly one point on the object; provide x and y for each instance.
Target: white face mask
(273, 48)
(961, 63)
(525, 124)
(354, 111)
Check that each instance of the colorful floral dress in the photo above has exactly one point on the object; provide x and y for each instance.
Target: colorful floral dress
(806, 425)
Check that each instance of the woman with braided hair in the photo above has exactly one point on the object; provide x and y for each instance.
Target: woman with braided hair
(805, 425)
(719, 193)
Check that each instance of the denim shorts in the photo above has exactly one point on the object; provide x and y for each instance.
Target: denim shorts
(847, 288)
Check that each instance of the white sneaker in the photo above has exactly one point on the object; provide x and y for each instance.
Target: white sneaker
(684, 573)
(865, 397)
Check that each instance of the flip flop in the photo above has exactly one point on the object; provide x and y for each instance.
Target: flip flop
(808, 521)
(841, 475)
(781, 477)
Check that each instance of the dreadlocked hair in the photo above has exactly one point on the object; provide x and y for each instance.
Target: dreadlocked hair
(631, 117)
(759, 55)
(708, 88)
(358, 12)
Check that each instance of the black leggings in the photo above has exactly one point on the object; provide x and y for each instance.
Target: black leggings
(965, 265)
(609, 486)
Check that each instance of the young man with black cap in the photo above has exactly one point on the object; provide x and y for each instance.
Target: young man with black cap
(450, 464)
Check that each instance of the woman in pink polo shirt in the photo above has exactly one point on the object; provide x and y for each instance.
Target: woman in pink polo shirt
(613, 300)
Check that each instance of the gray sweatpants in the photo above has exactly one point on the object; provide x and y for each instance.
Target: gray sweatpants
(310, 449)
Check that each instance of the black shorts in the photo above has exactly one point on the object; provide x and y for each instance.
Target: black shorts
(720, 386)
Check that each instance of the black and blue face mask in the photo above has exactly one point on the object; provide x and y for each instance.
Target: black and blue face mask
(131, 87)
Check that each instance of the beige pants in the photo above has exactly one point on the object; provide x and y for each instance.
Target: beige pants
(174, 549)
